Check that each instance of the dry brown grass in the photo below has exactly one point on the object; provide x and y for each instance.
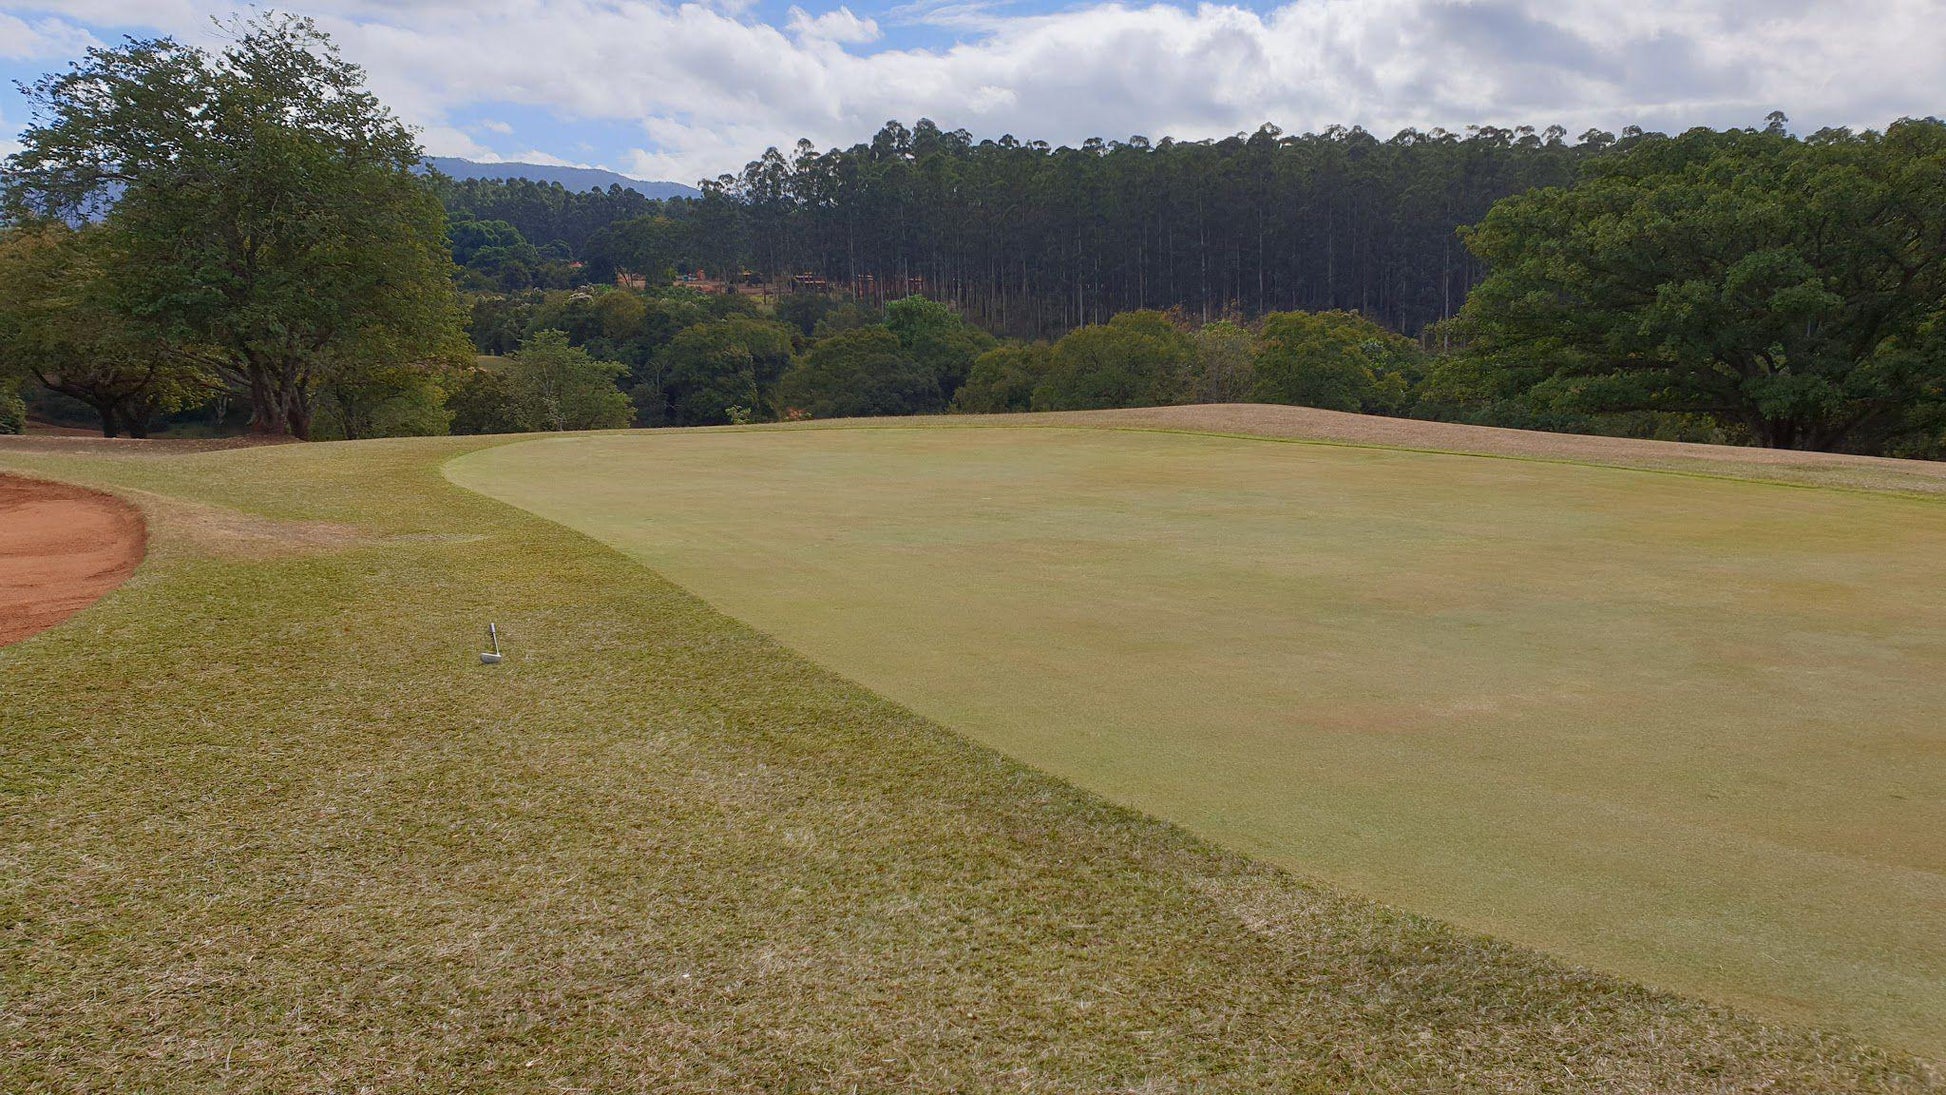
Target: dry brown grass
(230, 533)
(266, 825)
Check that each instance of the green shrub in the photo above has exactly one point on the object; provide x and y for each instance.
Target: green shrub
(1003, 379)
(485, 402)
(13, 409)
(863, 371)
(1136, 359)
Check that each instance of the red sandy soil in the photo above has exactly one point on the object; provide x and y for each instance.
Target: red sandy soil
(61, 549)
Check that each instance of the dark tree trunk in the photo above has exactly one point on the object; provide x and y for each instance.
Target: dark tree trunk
(297, 415)
(266, 408)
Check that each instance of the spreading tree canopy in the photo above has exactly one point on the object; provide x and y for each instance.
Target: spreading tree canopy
(937, 338)
(1137, 359)
(556, 386)
(267, 219)
(862, 371)
(713, 366)
(1795, 291)
(58, 327)
(1226, 363)
(1340, 361)
(1004, 378)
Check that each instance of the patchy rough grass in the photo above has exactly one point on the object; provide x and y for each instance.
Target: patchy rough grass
(266, 825)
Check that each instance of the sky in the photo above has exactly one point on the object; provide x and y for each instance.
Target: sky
(686, 91)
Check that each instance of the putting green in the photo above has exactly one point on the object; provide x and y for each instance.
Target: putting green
(1687, 729)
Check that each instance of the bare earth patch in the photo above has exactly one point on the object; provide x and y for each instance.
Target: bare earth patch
(232, 534)
(61, 549)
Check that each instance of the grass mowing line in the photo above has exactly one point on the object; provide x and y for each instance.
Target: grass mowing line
(1674, 727)
(1615, 465)
(268, 826)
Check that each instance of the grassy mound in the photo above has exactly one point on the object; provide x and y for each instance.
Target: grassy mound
(267, 825)
(1681, 728)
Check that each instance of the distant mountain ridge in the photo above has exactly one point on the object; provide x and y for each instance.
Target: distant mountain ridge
(574, 178)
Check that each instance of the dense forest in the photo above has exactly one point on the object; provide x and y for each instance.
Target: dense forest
(1032, 240)
(250, 236)
(1740, 285)
(547, 215)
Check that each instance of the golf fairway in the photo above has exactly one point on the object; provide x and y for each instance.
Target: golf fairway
(1682, 728)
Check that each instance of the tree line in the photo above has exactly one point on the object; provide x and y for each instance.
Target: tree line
(1030, 240)
(685, 358)
(252, 228)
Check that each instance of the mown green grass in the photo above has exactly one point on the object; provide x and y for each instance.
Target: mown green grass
(1683, 728)
(267, 825)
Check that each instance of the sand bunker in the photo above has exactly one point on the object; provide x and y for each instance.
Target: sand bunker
(61, 549)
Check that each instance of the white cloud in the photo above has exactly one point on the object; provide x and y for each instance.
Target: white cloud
(709, 86)
(445, 140)
(43, 39)
(501, 128)
(840, 26)
(546, 159)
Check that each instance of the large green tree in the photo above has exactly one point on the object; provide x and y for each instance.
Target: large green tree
(1340, 361)
(267, 215)
(938, 338)
(58, 327)
(556, 386)
(384, 398)
(1137, 359)
(711, 367)
(1004, 378)
(1792, 290)
(863, 371)
(1226, 363)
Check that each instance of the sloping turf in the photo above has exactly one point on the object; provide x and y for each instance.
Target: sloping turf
(1688, 729)
(267, 825)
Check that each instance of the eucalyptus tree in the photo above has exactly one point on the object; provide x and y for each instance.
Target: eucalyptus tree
(1031, 239)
